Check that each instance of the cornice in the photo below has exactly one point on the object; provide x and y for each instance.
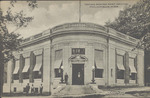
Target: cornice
(79, 28)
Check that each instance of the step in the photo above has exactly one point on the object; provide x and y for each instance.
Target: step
(78, 90)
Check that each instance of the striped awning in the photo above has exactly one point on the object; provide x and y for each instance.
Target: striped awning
(120, 67)
(26, 68)
(37, 67)
(57, 63)
(27, 65)
(99, 64)
(132, 69)
(16, 70)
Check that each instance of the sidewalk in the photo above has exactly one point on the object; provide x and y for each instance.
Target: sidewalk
(76, 92)
(128, 92)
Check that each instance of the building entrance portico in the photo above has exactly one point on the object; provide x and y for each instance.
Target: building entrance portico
(77, 74)
(78, 64)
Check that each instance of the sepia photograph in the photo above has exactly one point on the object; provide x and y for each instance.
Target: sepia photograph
(74, 48)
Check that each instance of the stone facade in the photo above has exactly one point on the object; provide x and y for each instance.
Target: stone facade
(69, 45)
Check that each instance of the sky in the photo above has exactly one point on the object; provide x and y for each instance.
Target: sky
(53, 13)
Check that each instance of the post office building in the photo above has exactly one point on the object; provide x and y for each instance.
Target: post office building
(76, 53)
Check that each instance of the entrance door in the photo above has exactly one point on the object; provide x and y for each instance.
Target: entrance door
(78, 74)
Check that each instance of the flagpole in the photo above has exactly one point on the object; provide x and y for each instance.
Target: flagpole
(79, 10)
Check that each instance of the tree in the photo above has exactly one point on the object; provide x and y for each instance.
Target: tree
(135, 21)
(10, 40)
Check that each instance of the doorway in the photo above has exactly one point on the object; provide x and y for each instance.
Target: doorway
(77, 74)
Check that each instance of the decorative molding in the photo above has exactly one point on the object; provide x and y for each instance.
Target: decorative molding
(74, 28)
(90, 44)
(27, 54)
(80, 26)
(46, 48)
(38, 52)
(120, 52)
(17, 56)
(78, 58)
(132, 55)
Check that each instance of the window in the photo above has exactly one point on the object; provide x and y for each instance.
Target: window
(38, 68)
(98, 73)
(120, 74)
(25, 70)
(99, 59)
(133, 76)
(26, 75)
(16, 76)
(99, 67)
(58, 63)
(38, 74)
(120, 67)
(58, 72)
(132, 69)
(16, 70)
(57, 67)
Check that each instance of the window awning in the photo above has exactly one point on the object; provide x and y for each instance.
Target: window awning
(37, 67)
(132, 69)
(131, 65)
(26, 68)
(99, 64)
(16, 67)
(27, 65)
(57, 63)
(120, 67)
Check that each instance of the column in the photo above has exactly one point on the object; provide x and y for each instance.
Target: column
(13, 66)
(135, 61)
(140, 68)
(9, 74)
(21, 63)
(126, 63)
(32, 63)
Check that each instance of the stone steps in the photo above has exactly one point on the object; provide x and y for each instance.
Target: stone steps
(77, 90)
